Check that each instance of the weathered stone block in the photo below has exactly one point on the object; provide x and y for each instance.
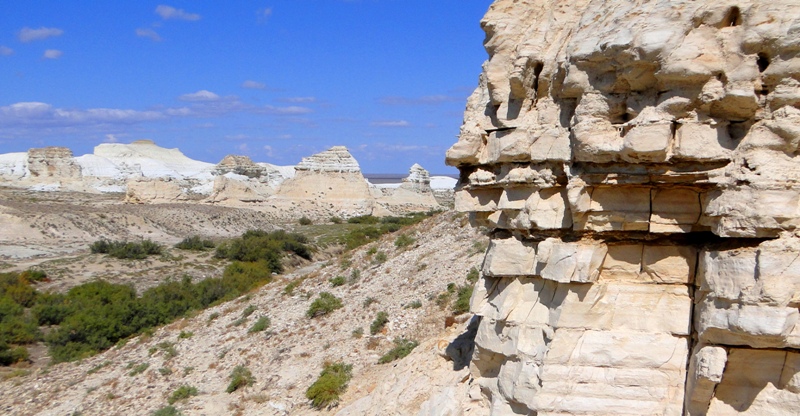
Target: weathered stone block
(669, 264)
(613, 209)
(702, 142)
(569, 262)
(510, 257)
(477, 199)
(647, 143)
(674, 210)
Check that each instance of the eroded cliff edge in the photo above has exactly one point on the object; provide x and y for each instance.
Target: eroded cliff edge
(637, 165)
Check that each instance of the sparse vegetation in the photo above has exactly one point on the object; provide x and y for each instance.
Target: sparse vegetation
(404, 240)
(335, 220)
(126, 249)
(473, 275)
(195, 243)
(258, 245)
(414, 305)
(323, 305)
(305, 221)
(240, 377)
(402, 347)
(183, 392)
(358, 332)
(376, 227)
(368, 301)
(185, 334)
(261, 324)
(332, 382)
(337, 281)
(167, 411)
(291, 286)
(461, 305)
(380, 258)
(138, 369)
(380, 321)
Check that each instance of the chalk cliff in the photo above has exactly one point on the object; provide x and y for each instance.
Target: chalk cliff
(637, 165)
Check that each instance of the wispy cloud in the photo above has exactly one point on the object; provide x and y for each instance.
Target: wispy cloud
(254, 85)
(43, 114)
(290, 110)
(424, 100)
(6, 51)
(391, 123)
(202, 95)
(171, 13)
(29, 35)
(298, 99)
(264, 14)
(148, 33)
(269, 151)
(52, 54)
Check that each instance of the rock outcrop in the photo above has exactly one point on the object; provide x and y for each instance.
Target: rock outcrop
(53, 162)
(637, 166)
(413, 195)
(240, 165)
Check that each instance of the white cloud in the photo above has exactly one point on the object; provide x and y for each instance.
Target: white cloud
(202, 95)
(52, 54)
(171, 13)
(269, 151)
(37, 113)
(6, 51)
(299, 99)
(148, 33)
(254, 85)
(391, 123)
(290, 110)
(29, 35)
(110, 138)
(243, 148)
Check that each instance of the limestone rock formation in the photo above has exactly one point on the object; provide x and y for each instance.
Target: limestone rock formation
(325, 184)
(413, 195)
(637, 165)
(53, 162)
(240, 165)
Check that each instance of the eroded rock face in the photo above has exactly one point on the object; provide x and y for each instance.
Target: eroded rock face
(240, 165)
(637, 165)
(53, 162)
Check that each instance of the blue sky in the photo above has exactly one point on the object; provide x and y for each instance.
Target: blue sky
(275, 80)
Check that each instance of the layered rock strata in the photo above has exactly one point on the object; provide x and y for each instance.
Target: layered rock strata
(413, 195)
(637, 166)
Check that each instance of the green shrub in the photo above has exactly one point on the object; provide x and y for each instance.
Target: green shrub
(414, 305)
(331, 383)
(248, 311)
(167, 411)
(380, 321)
(33, 275)
(473, 275)
(50, 308)
(183, 392)
(291, 286)
(255, 245)
(138, 369)
(247, 274)
(185, 335)
(305, 221)
(380, 258)
(165, 371)
(261, 324)
(195, 243)
(368, 301)
(17, 288)
(355, 274)
(126, 249)
(337, 281)
(461, 305)
(323, 305)
(363, 219)
(240, 377)
(358, 332)
(169, 350)
(404, 240)
(335, 220)
(11, 355)
(402, 347)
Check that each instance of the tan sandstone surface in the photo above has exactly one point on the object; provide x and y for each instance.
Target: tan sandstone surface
(637, 163)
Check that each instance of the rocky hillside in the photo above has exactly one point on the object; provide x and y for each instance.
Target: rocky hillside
(411, 281)
(637, 164)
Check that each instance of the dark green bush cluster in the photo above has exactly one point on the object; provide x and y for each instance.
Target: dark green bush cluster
(195, 243)
(167, 411)
(94, 316)
(464, 293)
(240, 377)
(377, 227)
(380, 321)
(337, 281)
(17, 327)
(404, 240)
(126, 249)
(305, 221)
(331, 383)
(402, 347)
(268, 247)
(323, 305)
(261, 324)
